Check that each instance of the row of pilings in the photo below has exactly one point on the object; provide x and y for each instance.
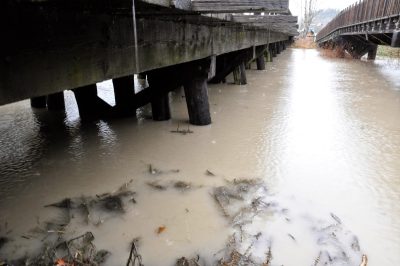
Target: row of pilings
(192, 76)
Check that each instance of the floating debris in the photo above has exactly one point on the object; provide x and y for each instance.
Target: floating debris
(181, 185)
(154, 171)
(134, 259)
(156, 185)
(161, 229)
(182, 131)
(337, 219)
(112, 203)
(364, 260)
(292, 237)
(188, 262)
(209, 173)
(65, 203)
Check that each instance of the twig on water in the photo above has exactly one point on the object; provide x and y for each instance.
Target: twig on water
(134, 257)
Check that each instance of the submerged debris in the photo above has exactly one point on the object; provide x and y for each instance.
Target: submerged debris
(209, 173)
(364, 260)
(156, 185)
(181, 185)
(337, 219)
(182, 131)
(154, 171)
(188, 262)
(134, 259)
(65, 203)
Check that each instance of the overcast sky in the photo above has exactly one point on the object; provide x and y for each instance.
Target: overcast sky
(322, 4)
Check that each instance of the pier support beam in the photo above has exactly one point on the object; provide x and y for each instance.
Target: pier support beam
(124, 92)
(239, 75)
(196, 94)
(38, 102)
(55, 101)
(160, 108)
(89, 104)
(261, 62)
(278, 48)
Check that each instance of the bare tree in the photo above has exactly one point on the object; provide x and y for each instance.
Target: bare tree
(310, 11)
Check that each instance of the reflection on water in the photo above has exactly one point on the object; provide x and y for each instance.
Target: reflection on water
(324, 134)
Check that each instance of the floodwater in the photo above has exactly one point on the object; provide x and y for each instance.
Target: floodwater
(322, 133)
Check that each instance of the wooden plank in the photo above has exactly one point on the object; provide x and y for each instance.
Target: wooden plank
(267, 19)
(237, 6)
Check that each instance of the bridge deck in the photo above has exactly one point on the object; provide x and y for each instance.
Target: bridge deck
(377, 18)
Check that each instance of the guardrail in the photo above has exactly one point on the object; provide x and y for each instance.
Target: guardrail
(361, 12)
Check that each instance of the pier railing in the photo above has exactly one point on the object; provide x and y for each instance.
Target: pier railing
(367, 11)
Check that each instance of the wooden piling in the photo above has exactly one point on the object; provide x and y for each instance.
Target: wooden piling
(372, 52)
(90, 106)
(278, 47)
(124, 92)
(160, 108)
(196, 94)
(268, 55)
(160, 101)
(55, 101)
(261, 62)
(38, 102)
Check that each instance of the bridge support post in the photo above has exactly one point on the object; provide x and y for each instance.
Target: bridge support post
(372, 52)
(273, 49)
(90, 106)
(38, 102)
(278, 47)
(124, 92)
(55, 101)
(196, 94)
(160, 109)
(396, 39)
(261, 62)
(268, 54)
(239, 75)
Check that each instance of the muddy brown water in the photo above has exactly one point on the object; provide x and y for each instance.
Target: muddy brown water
(323, 134)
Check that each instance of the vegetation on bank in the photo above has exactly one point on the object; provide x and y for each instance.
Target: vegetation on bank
(388, 51)
(305, 43)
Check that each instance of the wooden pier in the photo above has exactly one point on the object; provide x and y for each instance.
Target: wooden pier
(57, 45)
(359, 28)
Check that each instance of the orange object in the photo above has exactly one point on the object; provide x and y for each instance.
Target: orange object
(161, 229)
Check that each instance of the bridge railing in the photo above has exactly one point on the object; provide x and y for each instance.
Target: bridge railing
(361, 12)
